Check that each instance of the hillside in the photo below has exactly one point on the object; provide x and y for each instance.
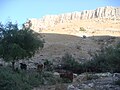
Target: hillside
(64, 33)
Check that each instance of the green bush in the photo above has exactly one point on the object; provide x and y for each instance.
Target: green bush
(106, 61)
(82, 29)
(24, 80)
(10, 80)
(69, 63)
(117, 82)
(48, 65)
(65, 80)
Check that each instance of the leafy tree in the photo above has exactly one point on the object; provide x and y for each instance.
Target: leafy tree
(17, 43)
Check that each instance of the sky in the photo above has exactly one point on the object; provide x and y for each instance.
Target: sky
(21, 10)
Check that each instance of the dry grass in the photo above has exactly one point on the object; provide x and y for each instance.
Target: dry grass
(64, 37)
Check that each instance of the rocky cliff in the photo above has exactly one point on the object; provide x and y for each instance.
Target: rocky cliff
(107, 12)
(102, 12)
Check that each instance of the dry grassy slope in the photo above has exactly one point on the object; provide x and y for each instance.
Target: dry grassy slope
(67, 37)
(99, 26)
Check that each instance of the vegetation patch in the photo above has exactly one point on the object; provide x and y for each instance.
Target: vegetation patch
(82, 29)
(25, 80)
(117, 82)
(106, 61)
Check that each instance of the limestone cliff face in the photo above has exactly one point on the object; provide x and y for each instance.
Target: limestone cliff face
(108, 12)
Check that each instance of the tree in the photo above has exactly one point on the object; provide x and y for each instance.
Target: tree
(17, 43)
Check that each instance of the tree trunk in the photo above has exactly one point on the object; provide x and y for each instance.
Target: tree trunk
(13, 65)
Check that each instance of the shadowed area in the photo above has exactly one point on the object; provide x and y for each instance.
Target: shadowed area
(81, 48)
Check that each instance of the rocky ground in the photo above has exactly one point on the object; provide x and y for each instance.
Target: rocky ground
(100, 81)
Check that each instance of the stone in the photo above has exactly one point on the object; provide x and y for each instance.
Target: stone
(91, 84)
(71, 87)
(107, 12)
(56, 74)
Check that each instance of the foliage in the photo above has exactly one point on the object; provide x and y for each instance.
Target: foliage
(69, 63)
(91, 76)
(106, 61)
(10, 80)
(48, 65)
(82, 29)
(117, 82)
(17, 43)
(65, 80)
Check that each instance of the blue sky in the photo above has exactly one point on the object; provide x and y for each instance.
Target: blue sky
(20, 10)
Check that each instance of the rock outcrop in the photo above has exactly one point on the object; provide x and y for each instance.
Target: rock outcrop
(107, 12)
(102, 12)
(99, 81)
(104, 82)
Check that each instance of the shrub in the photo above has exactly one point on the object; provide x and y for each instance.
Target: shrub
(91, 76)
(10, 80)
(106, 61)
(117, 82)
(65, 80)
(69, 63)
(82, 29)
(48, 65)
(24, 80)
